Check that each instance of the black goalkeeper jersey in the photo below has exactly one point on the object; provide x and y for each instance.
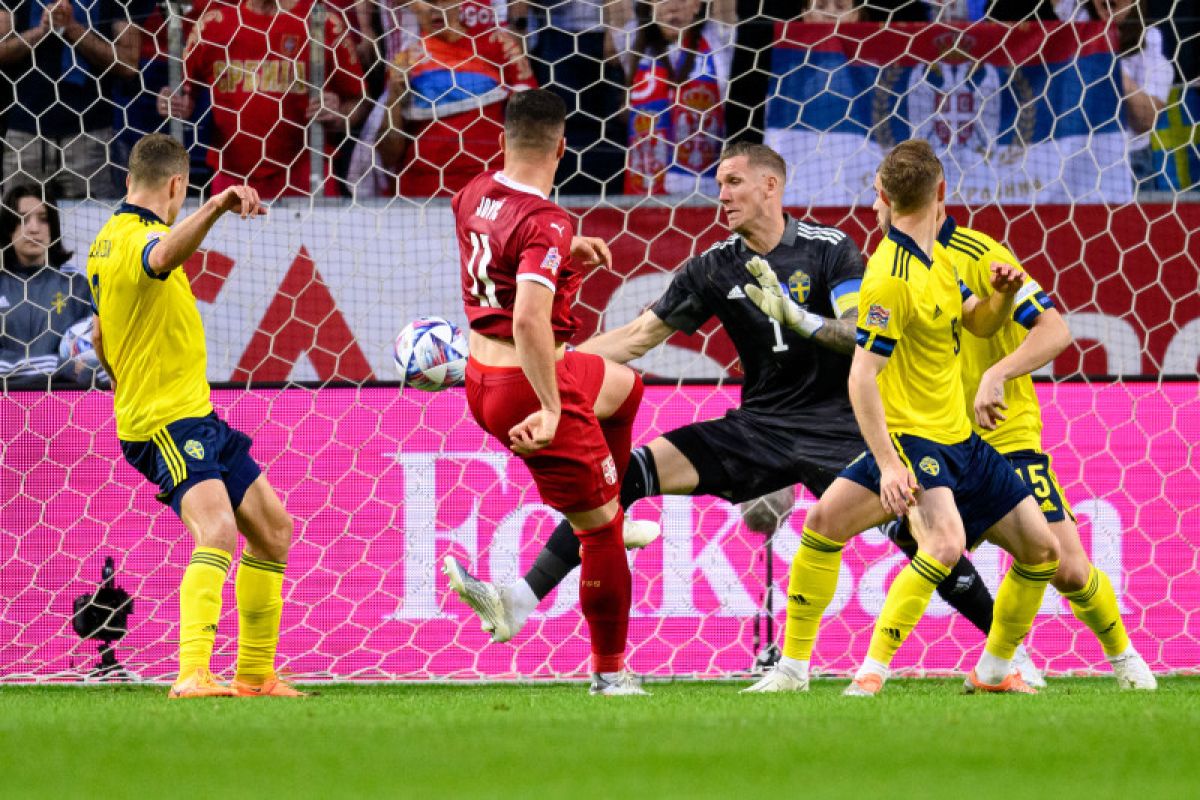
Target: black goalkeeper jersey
(789, 380)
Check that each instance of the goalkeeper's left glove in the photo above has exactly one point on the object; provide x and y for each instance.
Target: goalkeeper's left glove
(770, 298)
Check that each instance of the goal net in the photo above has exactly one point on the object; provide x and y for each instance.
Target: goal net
(1039, 139)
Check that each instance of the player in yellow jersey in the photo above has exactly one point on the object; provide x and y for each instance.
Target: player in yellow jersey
(150, 339)
(906, 389)
(1005, 411)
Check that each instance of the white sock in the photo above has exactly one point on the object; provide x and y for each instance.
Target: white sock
(992, 669)
(794, 667)
(872, 667)
(522, 600)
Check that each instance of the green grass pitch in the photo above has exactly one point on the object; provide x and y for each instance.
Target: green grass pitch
(1081, 738)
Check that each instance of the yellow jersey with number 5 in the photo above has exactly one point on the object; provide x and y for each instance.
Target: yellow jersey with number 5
(152, 335)
(910, 310)
(972, 254)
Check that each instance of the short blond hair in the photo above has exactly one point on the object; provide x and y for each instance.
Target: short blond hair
(909, 176)
(757, 155)
(155, 159)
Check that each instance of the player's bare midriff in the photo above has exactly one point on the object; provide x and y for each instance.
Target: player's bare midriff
(495, 351)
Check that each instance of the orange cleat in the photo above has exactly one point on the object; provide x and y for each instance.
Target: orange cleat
(200, 683)
(271, 687)
(1013, 684)
(869, 685)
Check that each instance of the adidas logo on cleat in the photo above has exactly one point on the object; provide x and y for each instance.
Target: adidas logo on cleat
(736, 293)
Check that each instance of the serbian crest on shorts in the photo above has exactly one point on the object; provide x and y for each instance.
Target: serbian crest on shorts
(930, 465)
(609, 468)
(194, 449)
(799, 285)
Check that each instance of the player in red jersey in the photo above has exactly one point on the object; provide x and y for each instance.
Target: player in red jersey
(568, 415)
(253, 58)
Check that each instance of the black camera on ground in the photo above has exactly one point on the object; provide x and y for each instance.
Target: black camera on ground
(103, 616)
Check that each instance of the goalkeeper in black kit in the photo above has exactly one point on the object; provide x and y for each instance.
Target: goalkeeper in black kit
(795, 423)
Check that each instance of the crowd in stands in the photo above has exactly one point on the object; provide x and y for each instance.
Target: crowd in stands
(413, 90)
(412, 94)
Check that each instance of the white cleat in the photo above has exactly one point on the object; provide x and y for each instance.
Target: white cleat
(1133, 672)
(617, 684)
(778, 681)
(484, 599)
(1023, 664)
(640, 532)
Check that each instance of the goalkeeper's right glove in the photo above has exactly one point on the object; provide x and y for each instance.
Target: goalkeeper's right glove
(770, 298)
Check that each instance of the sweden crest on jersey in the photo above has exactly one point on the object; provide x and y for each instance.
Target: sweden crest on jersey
(799, 285)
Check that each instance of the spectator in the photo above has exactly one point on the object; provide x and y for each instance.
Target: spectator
(252, 58)
(445, 102)
(63, 60)
(570, 50)
(832, 12)
(677, 60)
(1146, 74)
(1021, 10)
(137, 103)
(41, 296)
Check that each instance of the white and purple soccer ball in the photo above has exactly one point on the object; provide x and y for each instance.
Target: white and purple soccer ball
(431, 354)
(76, 344)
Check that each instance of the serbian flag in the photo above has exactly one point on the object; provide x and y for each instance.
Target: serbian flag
(1018, 114)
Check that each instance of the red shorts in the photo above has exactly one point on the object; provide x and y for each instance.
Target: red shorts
(575, 472)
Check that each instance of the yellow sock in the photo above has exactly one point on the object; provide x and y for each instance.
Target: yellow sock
(200, 606)
(1095, 605)
(259, 586)
(904, 605)
(810, 589)
(1017, 603)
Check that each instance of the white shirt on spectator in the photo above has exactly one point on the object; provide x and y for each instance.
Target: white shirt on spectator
(1148, 67)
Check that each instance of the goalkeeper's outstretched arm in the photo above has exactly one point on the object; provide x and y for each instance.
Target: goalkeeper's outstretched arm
(629, 341)
(768, 295)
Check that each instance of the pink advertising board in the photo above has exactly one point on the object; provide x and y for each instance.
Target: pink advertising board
(382, 484)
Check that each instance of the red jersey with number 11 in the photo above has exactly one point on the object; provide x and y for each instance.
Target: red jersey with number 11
(508, 232)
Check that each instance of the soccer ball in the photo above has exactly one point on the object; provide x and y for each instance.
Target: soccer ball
(431, 354)
(76, 348)
(76, 345)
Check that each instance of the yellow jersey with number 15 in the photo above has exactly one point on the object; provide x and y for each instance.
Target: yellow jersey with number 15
(153, 337)
(972, 254)
(910, 310)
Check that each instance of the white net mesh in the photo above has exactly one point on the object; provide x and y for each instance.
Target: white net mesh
(1049, 148)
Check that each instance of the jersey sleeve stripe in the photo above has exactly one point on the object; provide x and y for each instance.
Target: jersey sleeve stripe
(532, 276)
(965, 249)
(964, 290)
(146, 262)
(844, 296)
(1027, 312)
(968, 245)
(874, 342)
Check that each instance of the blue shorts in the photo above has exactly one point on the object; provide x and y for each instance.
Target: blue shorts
(1033, 467)
(191, 450)
(984, 485)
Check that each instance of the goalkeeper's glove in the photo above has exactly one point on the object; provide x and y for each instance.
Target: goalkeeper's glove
(773, 301)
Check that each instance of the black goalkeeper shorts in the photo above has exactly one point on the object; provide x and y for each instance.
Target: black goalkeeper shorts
(739, 457)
